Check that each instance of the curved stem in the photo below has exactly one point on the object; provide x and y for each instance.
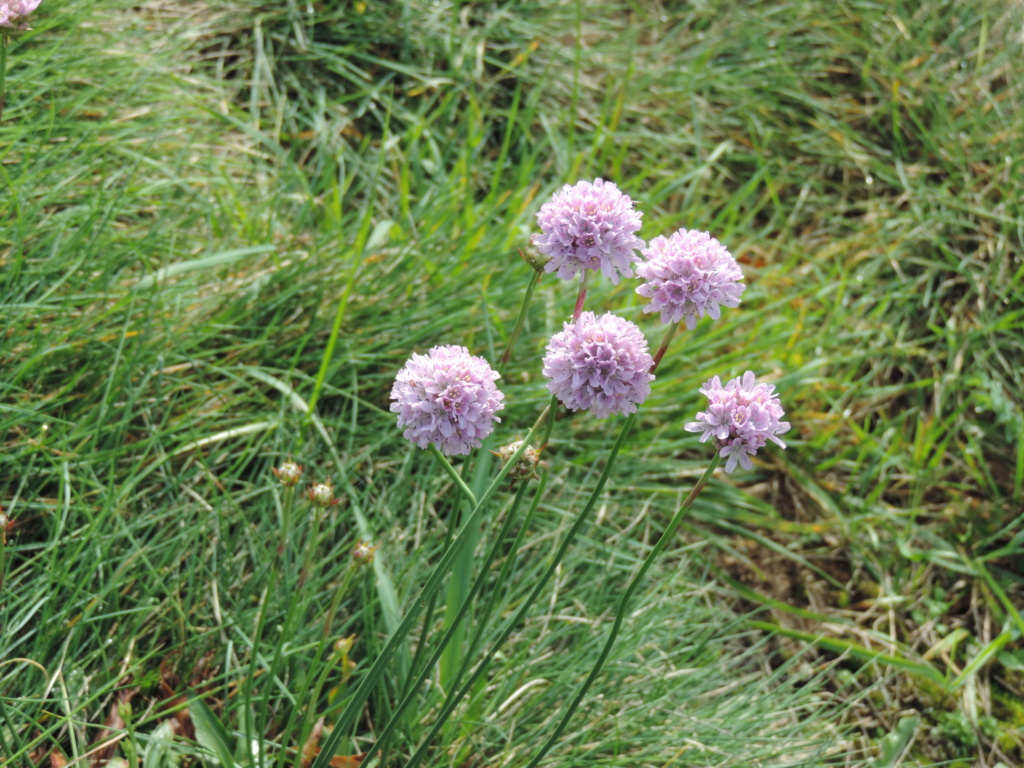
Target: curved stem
(528, 603)
(520, 321)
(434, 580)
(455, 624)
(455, 476)
(623, 605)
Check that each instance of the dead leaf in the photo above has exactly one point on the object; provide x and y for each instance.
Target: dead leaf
(348, 761)
(312, 745)
(57, 760)
(111, 728)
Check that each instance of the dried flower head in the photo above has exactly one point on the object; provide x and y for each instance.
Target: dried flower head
(343, 645)
(447, 397)
(600, 363)
(525, 467)
(689, 275)
(363, 552)
(742, 416)
(288, 473)
(589, 226)
(322, 494)
(14, 12)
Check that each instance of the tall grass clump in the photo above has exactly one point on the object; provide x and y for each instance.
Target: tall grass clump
(230, 231)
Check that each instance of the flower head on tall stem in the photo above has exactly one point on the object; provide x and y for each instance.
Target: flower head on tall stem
(288, 473)
(599, 363)
(742, 416)
(447, 397)
(322, 494)
(589, 226)
(689, 275)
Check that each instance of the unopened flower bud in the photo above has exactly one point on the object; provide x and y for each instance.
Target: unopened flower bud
(288, 473)
(343, 645)
(322, 494)
(525, 467)
(363, 553)
(534, 258)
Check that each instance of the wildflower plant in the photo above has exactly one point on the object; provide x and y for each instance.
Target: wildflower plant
(15, 13)
(447, 401)
(14, 16)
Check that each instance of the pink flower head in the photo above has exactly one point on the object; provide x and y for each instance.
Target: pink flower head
(600, 363)
(447, 397)
(689, 274)
(14, 12)
(742, 416)
(589, 226)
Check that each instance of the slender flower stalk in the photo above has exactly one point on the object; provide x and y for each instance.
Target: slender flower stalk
(313, 711)
(13, 14)
(520, 321)
(455, 476)
(4, 522)
(581, 297)
(3, 74)
(512, 624)
(474, 590)
(663, 347)
(369, 680)
(620, 614)
(280, 555)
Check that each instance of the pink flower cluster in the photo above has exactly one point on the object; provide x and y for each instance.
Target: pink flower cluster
(447, 397)
(599, 363)
(14, 12)
(742, 416)
(589, 226)
(689, 275)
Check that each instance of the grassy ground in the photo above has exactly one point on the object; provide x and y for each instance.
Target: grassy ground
(195, 194)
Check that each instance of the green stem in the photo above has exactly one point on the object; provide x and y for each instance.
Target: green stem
(520, 321)
(3, 74)
(498, 588)
(355, 703)
(268, 595)
(314, 536)
(450, 633)
(421, 645)
(455, 476)
(3, 548)
(510, 626)
(313, 710)
(623, 605)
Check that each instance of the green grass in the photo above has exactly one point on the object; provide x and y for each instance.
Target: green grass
(192, 198)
